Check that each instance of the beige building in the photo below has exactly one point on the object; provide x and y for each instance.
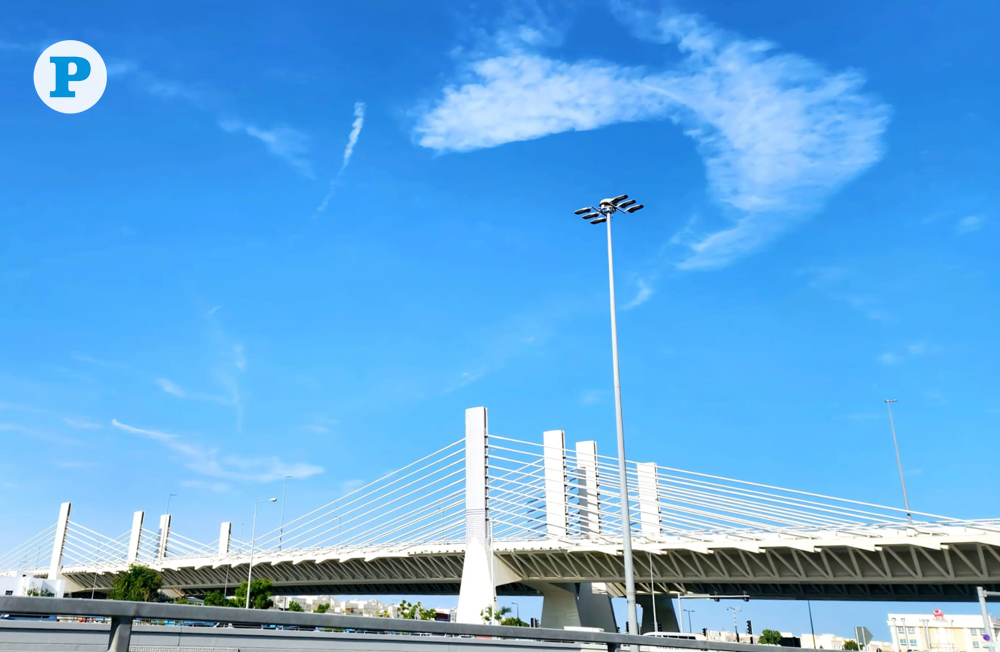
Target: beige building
(938, 632)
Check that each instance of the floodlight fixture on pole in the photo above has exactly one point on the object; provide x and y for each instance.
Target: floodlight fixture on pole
(892, 426)
(253, 536)
(603, 213)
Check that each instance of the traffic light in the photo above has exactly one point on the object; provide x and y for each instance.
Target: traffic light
(746, 598)
(750, 627)
(534, 622)
(704, 632)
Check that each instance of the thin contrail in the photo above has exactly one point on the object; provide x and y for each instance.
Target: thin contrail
(352, 140)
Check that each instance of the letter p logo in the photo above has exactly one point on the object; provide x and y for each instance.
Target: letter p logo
(64, 77)
(70, 76)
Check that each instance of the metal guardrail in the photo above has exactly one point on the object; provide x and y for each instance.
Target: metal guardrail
(122, 615)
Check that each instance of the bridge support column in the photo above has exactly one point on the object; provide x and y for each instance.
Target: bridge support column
(666, 617)
(59, 544)
(587, 493)
(161, 547)
(135, 537)
(482, 572)
(649, 499)
(225, 534)
(583, 604)
(553, 445)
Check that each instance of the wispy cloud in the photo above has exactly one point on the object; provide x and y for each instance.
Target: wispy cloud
(89, 359)
(969, 224)
(315, 429)
(211, 462)
(215, 487)
(172, 388)
(352, 140)
(81, 424)
(838, 282)
(592, 396)
(778, 133)
(644, 292)
(912, 350)
(284, 142)
(889, 358)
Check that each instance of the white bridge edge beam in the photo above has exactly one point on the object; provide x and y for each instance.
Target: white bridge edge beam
(135, 537)
(554, 444)
(590, 500)
(225, 534)
(649, 499)
(161, 548)
(59, 543)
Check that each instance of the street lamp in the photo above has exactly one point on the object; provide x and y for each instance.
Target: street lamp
(736, 628)
(906, 501)
(688, 612)
(253, 535)
(168, 502)
(603, 213)
(517, 613)
(284, 492)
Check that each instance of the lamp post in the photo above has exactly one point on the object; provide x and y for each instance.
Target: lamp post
(688, 612)
(736, 628)
(906, 501)
(517, 614)
(284, 493)
(603, 213)
(169, 496)
(253, 535)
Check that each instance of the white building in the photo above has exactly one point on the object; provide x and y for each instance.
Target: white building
(939, 632)
(25, 583)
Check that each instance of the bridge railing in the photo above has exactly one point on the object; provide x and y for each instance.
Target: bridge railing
(123, 614)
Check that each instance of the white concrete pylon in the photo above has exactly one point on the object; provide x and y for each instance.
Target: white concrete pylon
(482, 572)
(649, 499)
(135, 537)
(161, 548)
(225, 533)
(59, 544)
(554, 444)
(587, 493)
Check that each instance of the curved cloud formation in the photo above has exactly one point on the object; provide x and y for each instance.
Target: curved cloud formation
(777, 132)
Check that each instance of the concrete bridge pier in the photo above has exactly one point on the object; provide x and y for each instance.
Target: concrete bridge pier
(666, 617)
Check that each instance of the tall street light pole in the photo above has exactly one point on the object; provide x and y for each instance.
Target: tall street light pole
(253, 536)
(603, 213)
(169, 496)
(906, 501)
(284, 493)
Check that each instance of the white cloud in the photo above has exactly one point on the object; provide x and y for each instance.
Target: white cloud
(969, 224)
(212, 463)
(352, 140)
(777, 132)
(171, 387)
(81, 424)
(889, 358)
(284, 142)
(645, 291)
(217, 487)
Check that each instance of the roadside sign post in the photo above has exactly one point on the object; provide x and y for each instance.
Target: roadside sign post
(988, 636)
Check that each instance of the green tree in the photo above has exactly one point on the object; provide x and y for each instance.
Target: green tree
(415, 611)
(217, 599)
(260, 594)
(502, 617)
(851, 645)
(294, 606)
(138, 584)
(40, 593)
(322, 608)
(769, 637)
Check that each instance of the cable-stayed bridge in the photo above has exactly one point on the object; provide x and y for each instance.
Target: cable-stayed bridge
(541, 518)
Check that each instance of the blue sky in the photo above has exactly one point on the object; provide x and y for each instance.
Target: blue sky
(301, 240)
